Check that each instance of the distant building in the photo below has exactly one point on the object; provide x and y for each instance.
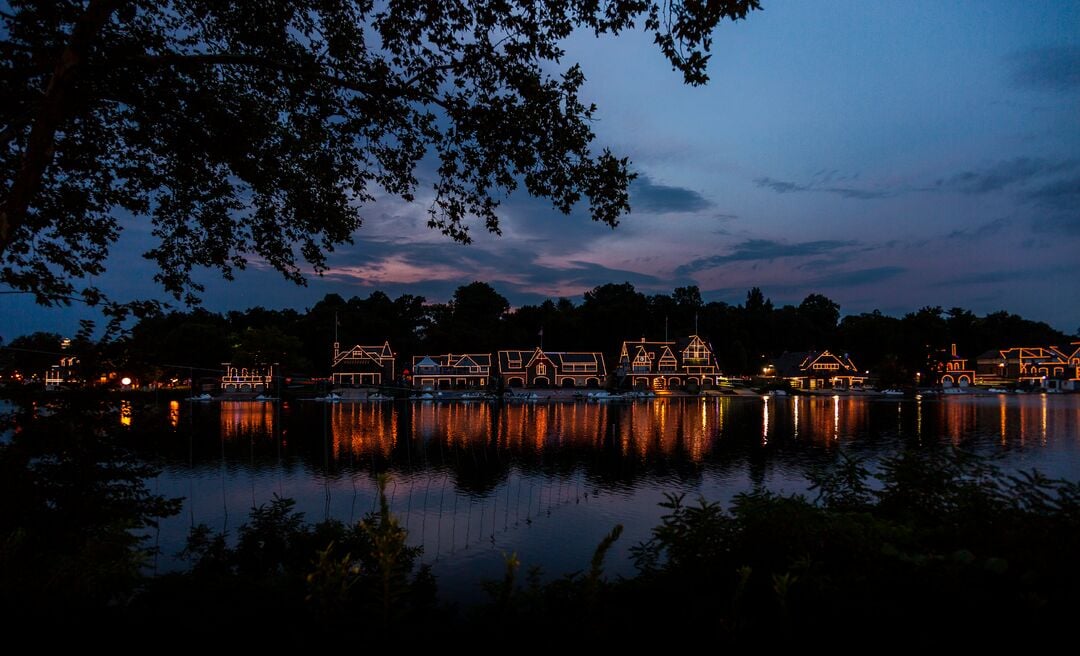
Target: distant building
(363, 365)
(816, 370)
(952, 370)
(258, 378)
(539, 368)
(1049, 367)
(668, 365)
(63, 373)
(452, 371)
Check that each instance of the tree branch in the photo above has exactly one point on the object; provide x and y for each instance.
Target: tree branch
(8, 46)
(225, 59)
(51, 111)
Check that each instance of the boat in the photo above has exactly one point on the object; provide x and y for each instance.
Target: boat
(599, 395)
(332, 397)
(998, 390)
(379, 397)
(202, 397)
(261, 397)
(892, 392)
(777, 393)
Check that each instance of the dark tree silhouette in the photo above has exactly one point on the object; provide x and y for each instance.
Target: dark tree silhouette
(263, 127)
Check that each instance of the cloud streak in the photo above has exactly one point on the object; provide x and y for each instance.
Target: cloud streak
(649, 196)
(518, 272)
(981, 231)
(1001, 175)
(858, 277)
(1005, 277)
(753, 250)
(1046, 69)
(1060, 194)
(787, 187)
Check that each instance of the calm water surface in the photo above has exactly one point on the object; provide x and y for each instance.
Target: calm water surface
(473, 482)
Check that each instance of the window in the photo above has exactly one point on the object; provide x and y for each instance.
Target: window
(541, 369)
(579, 368)
(696, 352)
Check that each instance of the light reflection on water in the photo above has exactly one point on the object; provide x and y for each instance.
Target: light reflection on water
(473, 481)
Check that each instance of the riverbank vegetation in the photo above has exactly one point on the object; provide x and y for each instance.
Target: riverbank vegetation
(928, 546)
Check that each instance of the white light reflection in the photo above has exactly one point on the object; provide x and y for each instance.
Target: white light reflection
(765, 422)
(836, 417)
(1042, 425)
(796, 417)
(918, 415)
(1001, 405)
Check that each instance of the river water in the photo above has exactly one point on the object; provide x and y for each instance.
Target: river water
(473, 482)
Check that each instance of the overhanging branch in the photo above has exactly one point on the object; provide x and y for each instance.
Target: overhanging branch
(51, 112)
(227, 59)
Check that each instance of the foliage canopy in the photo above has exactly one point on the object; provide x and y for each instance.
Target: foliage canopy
(261, 128)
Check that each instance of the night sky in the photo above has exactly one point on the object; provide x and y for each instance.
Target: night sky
(887, 155)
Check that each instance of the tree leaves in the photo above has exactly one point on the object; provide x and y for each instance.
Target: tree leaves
(265, 129)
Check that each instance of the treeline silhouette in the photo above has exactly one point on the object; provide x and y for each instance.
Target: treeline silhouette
(480, 319)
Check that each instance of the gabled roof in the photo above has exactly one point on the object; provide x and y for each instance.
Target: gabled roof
(559, 358)
(579, 358)
(537, 355)
(520, 357)
(799, 363)
(451, 360)
(1037, 353)
(465, 361)
(555, 358)
(666, 350)
(684, 342)
(374, 353)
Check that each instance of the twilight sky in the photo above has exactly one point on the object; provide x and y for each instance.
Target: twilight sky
(888, 155)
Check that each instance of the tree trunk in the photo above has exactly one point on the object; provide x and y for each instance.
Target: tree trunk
(51, 111)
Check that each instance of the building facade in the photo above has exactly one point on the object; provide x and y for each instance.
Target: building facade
(66, 372)
(537, 368)
(452, 371)
(258, 378)
(667, 364)
(1048, 367)
(363, 365)
(952, 370)
(816, 370)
